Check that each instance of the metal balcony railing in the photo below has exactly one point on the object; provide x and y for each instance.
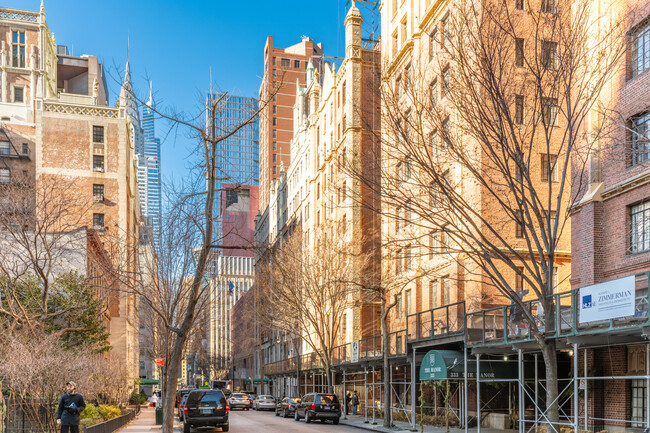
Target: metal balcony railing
(440, 322)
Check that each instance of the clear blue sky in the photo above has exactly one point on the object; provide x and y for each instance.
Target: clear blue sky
(174, 43)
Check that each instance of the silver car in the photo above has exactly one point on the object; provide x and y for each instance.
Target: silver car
(239, 400)
(264, 402)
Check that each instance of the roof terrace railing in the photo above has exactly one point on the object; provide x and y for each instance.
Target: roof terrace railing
(440, 322)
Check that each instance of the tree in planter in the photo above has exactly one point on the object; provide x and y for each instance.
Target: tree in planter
(487, 148)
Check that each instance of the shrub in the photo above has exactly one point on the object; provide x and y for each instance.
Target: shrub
(109, 412)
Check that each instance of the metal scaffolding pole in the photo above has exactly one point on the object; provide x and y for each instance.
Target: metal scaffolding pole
(413, 394)
(647, 384)
(584, 363)
(390, 397)
(522, 415)
(536, 391)
(365, 393)
(575, 388)
(464, 387)
(345, 403)
(374, 421)
(478, 394)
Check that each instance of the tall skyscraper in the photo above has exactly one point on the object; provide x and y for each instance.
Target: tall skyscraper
(149, 179)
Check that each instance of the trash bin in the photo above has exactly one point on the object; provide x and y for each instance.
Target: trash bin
(159, 415)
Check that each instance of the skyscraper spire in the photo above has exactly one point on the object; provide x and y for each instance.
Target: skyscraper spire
(127, 73)
(150, 101)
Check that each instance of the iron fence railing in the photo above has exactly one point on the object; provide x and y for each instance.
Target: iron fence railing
(440, 322)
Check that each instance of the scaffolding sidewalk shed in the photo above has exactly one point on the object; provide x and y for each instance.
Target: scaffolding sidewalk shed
(485, 365)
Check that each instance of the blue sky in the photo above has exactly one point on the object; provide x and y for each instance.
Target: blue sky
(175, 43)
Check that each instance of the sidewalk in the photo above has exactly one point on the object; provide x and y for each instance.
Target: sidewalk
(403, 427)
(146, 423)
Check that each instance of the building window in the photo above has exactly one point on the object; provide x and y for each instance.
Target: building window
(19, 94)
(519, 4)
(5, 175)
(296, 64)
(343, 93)
(394, 38)
(274, 170)
(549, 111)
(18, 50)
(98, 163)
(446, 82)
(273, 61)
(519, 109)
(446, 241)
(275, 157)
(98, 221)
(408, 257)
(549, 6)
(285, 63)
(638, 403)
(409, 309)
(519, 279)
(403, 31)
(25, 149)
(275, 109)
(433, 294)
(98, 193)
(519, 52)
(400, 304)
(275, 121)
(433, 243)
(433, 45)
(640, 143)
(446, 134)
(640, 47)
(549, 54)
(519, 228)
(433, 89)
(640, 227)
(5, 148)
(275, 145)
(275, 134)
(446, 290)
(98, 134)
(446, 30)
(549, 164)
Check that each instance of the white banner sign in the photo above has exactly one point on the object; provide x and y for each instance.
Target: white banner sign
(610, 300)
(355, 351)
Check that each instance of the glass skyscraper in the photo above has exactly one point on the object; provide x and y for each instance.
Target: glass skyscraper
(149, 172)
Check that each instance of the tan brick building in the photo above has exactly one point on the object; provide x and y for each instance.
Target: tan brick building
(57, 126)
(283, 68)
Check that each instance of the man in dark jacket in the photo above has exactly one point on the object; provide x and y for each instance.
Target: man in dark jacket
(71, 405)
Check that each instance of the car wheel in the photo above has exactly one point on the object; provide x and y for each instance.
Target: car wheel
(186, 428)
(225, 427)
(307, 418)
(296, 417)
(335, 421)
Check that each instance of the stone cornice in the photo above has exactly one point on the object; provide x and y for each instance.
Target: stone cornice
(403, 52)
(627, 185)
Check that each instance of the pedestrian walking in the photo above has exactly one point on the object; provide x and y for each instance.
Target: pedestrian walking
(355, 402)
(154, 400)
(71, 405)
(348, 398)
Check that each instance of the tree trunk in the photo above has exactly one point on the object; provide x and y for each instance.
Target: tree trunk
(549, 354)
(388, 414)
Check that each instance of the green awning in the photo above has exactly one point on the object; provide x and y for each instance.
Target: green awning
(449, 364)
(266, 380)
(149, 381)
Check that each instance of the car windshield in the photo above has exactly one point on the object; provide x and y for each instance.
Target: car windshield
(294, 400)
(266, 397)
(239, 396)
(203, 397)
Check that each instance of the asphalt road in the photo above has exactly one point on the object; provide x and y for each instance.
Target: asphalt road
(254, 421)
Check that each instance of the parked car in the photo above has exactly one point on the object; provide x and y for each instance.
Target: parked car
(319, 406)
(287, 407)
(182, 408)
(180, 393)
(206, 408)
(239, 400)
(264, 402)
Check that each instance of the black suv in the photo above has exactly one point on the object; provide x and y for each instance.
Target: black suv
(206, 408)
(320, 406)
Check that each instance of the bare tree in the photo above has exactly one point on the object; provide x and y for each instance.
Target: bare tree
(310, 286)
(485, 147)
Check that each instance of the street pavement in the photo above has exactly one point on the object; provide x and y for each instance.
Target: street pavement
(253, 422)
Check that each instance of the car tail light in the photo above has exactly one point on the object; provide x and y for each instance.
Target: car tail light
(313, 406)
(290, 407)
(340, 408)
(185, 409)
(227, 408)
